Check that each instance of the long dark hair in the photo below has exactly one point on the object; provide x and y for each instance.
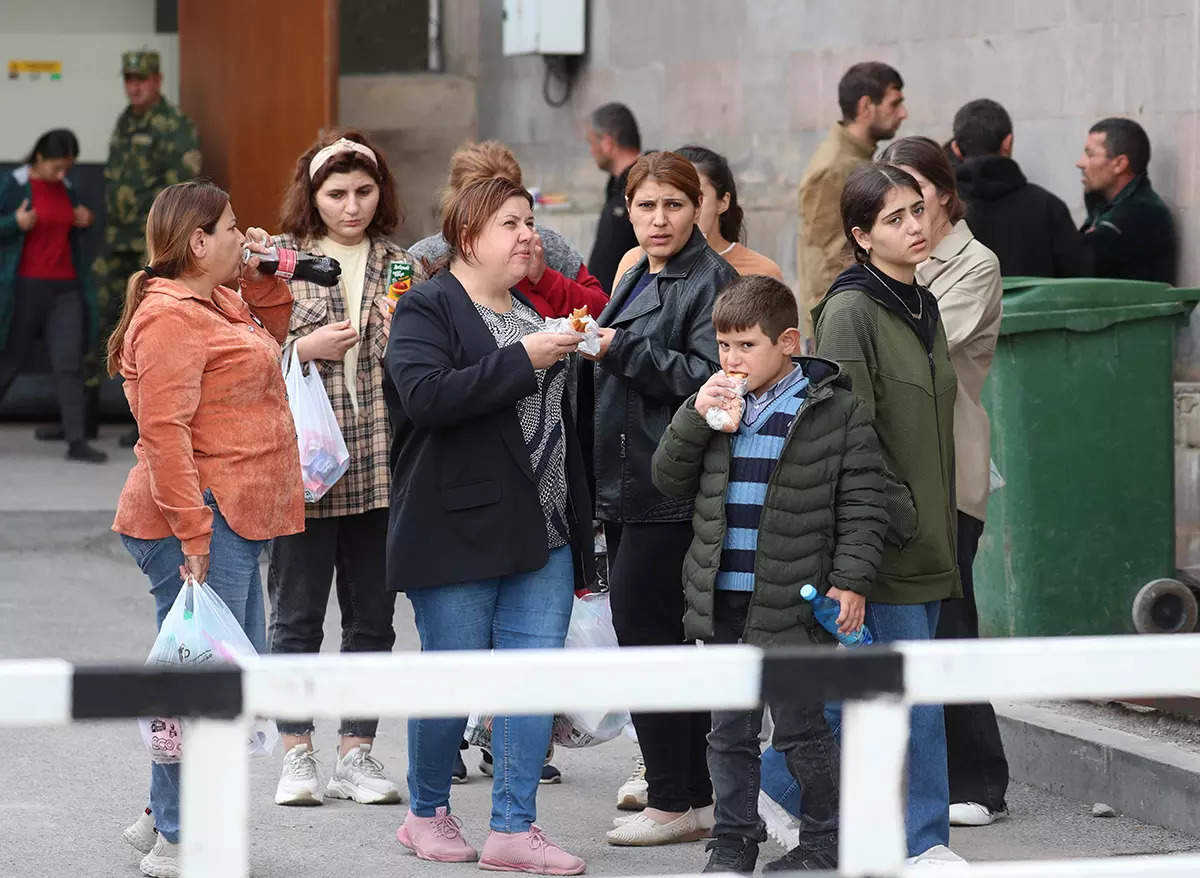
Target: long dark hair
(299, 216)
(930, 161)
(714, 166)
(866, 190)
(58, 143)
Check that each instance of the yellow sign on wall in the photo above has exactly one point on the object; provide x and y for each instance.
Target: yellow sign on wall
(34, 69)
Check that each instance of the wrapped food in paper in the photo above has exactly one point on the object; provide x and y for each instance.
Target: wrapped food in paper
(728, 420)
(581, 323)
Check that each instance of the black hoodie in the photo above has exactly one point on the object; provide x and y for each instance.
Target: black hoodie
(1029, 229)
(904, 300)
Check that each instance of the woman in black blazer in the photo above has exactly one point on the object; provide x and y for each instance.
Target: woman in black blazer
(490, 524)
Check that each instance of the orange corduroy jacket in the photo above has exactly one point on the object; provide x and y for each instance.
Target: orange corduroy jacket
(204, 383)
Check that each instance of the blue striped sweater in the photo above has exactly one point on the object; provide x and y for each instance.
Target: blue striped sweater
(755, 449)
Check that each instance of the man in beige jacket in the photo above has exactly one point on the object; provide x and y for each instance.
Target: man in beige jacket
(872, 102)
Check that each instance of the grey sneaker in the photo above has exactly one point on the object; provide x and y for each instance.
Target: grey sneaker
(359, 776)
(162, 861)
(632, 794)
(298, 782)
(141, 834)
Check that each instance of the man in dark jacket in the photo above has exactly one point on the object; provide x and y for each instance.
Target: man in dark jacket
(616, 144)
(1029, 229)
(1128, 229)
(788, 491)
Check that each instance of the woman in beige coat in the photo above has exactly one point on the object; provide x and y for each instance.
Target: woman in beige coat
(964, 276)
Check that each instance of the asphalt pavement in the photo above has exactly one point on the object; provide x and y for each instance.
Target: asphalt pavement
(68, 589)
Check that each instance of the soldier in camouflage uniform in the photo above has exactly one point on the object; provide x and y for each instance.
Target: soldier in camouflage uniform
(153, 146)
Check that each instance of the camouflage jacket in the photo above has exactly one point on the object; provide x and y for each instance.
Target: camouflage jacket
(367, 483)
(145, 154)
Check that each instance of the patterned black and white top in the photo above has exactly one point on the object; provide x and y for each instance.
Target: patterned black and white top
(540, 415)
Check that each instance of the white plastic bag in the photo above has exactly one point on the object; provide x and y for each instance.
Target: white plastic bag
(590, 627)
(995, 480)
(324, 457)
(198, 630)
(590, 335)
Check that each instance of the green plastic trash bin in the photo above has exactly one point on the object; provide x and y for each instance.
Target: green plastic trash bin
(1081, 404)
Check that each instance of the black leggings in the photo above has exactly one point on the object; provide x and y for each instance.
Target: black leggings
(301, 574)
(974, 750)
(645, 580)
(52, 309)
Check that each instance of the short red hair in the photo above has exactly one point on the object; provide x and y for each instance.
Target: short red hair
(468, 210)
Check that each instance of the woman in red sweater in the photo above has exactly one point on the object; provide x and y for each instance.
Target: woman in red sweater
(43, 283)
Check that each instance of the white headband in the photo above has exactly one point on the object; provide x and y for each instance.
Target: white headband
(338, 146)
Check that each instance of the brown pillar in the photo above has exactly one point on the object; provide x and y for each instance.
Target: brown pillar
(259, 79)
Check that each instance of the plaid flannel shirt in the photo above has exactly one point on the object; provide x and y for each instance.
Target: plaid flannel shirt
(367, 483)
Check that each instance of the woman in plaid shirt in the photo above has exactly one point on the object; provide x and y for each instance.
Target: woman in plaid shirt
(341, 203)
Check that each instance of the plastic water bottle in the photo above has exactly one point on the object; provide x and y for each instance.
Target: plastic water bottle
(826, 610)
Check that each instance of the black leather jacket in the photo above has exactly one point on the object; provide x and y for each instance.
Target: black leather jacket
(665, 348)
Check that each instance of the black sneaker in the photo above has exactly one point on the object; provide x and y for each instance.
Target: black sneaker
(732, 853)
(805, 858)
(485, 764)
(459, 775)
(550, 774)
(80, 450)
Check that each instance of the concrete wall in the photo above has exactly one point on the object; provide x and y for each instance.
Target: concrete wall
(756, 80)
(417, 120)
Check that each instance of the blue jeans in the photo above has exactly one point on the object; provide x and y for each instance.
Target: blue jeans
(519, 611)
(927, 818)
(233, 575)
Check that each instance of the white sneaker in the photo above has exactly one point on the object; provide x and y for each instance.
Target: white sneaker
(359, 776)
(706, 819)
(938, 855)
(632, 794)
(298, 783)
(141, 834)
(973, 814)
(782, 827)
(162, 861)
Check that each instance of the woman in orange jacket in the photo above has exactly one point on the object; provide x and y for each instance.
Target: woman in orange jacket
(218, 470)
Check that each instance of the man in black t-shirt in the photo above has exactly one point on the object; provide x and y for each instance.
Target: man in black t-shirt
(616, 144)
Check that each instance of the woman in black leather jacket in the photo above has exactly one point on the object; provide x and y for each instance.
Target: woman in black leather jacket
(659, 347)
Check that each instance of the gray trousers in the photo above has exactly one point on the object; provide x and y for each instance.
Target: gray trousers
(52, 310)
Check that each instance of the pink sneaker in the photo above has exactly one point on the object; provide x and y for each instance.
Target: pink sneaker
(528, 852)
(436, 838)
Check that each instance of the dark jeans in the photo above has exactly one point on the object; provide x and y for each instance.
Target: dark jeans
(52, 309)
(302, 567)
(801, 734)
(646, 593)
(974, 751)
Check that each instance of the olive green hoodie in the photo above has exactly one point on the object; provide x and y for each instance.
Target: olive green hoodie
(887, 337)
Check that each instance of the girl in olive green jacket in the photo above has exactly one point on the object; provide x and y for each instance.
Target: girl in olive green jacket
(886, 333)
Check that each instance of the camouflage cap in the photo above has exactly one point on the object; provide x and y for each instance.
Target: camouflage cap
(140, 62)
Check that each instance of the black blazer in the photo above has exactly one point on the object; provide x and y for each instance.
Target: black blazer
(464, 502)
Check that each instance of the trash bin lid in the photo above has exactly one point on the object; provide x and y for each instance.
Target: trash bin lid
(1087, 304)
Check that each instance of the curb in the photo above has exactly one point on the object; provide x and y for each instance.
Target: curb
(1148, 780)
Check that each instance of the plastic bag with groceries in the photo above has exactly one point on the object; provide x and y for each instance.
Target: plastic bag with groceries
(198, 630)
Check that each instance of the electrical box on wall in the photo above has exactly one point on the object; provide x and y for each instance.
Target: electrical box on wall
(544, 27)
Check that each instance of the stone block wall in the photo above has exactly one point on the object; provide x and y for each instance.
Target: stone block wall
(756, 80)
